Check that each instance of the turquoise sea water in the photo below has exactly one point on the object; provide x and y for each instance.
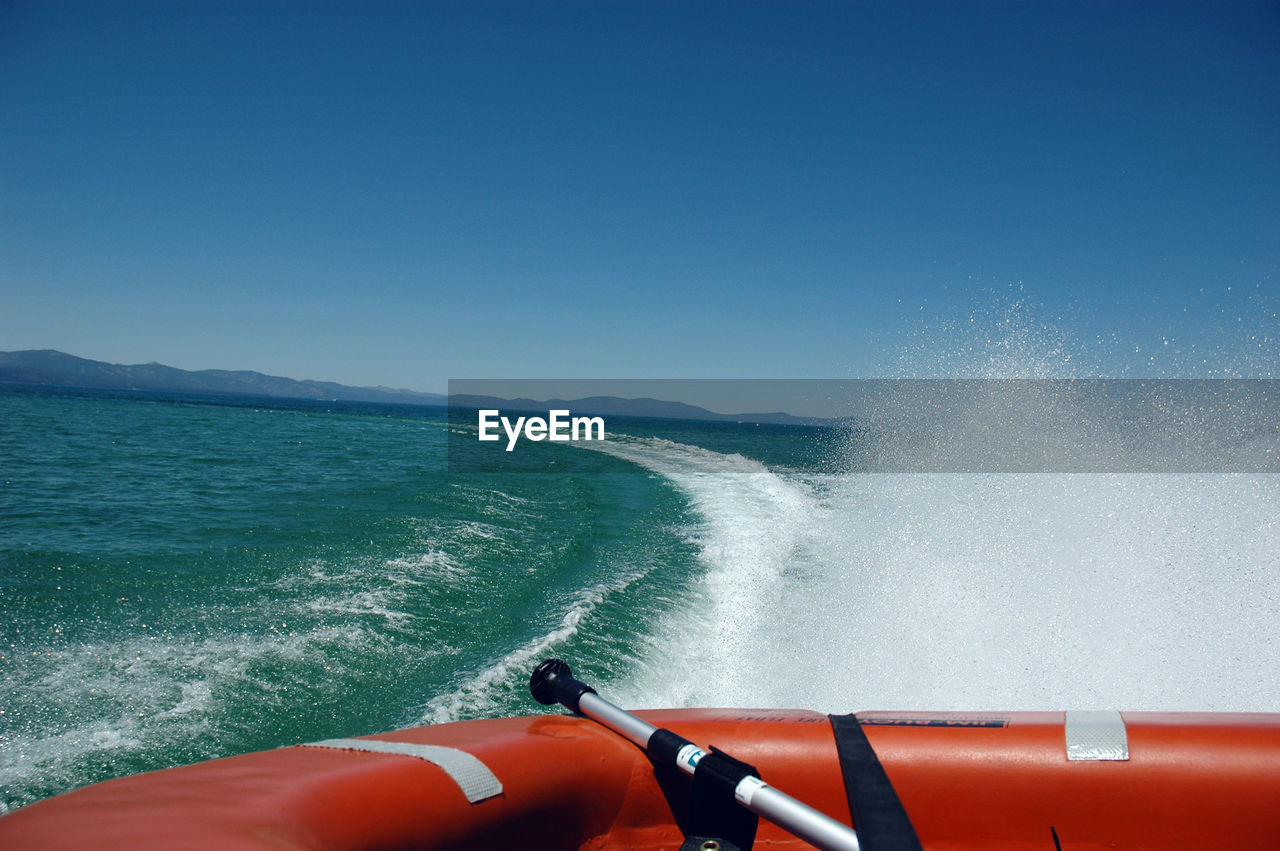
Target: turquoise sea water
(184, 578)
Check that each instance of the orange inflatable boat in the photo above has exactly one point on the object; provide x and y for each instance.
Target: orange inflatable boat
(611, 779)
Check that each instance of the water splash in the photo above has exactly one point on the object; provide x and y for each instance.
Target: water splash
(1222, 330)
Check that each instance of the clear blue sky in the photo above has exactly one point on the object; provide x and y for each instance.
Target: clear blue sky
(400, 193)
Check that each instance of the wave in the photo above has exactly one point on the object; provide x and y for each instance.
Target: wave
(492, 689)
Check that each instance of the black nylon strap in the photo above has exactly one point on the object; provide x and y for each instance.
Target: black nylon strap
(878, 815)
(714, 812)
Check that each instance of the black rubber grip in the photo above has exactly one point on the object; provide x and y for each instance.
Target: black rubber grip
(553, 682)
(664, 745)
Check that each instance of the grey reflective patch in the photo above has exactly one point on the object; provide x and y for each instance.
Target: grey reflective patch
(1096, 735)
(473, 777)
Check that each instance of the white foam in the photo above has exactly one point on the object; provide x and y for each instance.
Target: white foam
(1044, 592)
(969, 591)
(143, 692)
(377, 603)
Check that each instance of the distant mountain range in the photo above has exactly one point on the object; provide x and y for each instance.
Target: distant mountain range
(617, 406)
(49, 367)
(53, 368)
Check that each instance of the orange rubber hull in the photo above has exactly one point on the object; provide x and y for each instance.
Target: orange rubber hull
(973, 781)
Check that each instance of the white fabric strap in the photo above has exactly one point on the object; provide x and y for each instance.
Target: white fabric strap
(473, 777)
(1096, 735)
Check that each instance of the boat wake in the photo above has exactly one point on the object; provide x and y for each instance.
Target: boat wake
(755, 526)
(967, 592)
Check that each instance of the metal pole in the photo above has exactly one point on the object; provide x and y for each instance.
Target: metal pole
(636, 730)
(553, 682)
